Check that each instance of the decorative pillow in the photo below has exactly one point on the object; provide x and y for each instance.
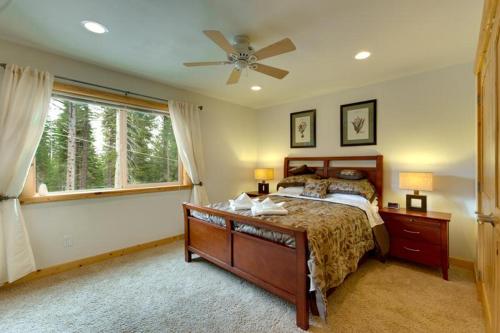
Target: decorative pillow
(316, 188)
(302, 170)
(294, 190)
(361, 187)
(350, 174)
(293, 181)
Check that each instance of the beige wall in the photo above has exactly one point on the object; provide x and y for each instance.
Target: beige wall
(426, 122)
(101, 225)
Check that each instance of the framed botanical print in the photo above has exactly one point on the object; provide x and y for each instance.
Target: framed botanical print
(358, 123)
(303, 129)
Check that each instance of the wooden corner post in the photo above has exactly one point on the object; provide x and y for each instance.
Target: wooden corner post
(301, 294)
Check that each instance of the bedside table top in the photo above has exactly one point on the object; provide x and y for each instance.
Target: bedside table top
(429, 215)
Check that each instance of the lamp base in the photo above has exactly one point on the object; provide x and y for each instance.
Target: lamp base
(263, 188)
(416, 202)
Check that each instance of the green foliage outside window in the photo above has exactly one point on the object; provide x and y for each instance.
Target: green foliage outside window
(78, 149)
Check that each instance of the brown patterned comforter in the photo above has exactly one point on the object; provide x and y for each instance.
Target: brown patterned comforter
(338, 236)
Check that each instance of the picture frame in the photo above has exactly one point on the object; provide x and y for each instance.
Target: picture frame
(303, 129)
(416, 202)
(358, 123)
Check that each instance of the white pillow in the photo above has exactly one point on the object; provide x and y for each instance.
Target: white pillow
(375, 205)
(295, 190)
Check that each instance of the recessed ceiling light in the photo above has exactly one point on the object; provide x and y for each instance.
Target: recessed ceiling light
(256, 88)
(362, 55)
(94, 27)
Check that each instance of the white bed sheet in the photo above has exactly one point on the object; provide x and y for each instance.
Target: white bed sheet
(346, 199)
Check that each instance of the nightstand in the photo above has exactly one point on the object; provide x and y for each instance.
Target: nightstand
(419, 237)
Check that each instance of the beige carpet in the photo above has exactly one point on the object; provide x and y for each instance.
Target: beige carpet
(156, 291)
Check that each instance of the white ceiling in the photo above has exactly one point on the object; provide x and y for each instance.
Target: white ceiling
(152, 38)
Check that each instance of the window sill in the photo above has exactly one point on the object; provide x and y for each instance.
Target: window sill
(101, 194)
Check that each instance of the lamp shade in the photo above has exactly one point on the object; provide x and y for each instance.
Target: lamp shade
(264, 174)
(417, 181)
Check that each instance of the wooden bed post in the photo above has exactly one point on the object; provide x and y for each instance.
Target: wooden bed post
(187, 253)
(301, 295)
(326, 164)
(229, 241)
(380, 180)
(286, 167)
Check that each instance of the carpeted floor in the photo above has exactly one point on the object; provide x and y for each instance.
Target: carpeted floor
(156, 291)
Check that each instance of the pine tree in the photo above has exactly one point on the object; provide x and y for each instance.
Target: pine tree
(43, 155)
(84, 135)
(172, 149)
(139, 141)
(89, 171)
(165, 149)
(59, 147)
(109, 152)
(71, 151)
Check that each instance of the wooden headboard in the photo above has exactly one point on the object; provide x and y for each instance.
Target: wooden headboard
(325, 167)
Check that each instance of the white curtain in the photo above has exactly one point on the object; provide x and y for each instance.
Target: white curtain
(24, 103)
(187, 131)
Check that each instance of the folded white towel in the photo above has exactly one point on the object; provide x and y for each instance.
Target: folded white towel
(268, 207)
(242, 202)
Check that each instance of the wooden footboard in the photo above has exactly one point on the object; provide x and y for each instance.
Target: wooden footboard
(275, 267)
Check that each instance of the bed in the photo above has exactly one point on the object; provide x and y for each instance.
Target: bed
(275, 253)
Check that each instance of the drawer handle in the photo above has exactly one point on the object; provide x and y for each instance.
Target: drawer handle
(410, 249)
(411, 232)
(412, 220)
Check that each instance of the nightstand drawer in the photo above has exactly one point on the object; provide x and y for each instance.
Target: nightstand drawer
(416, 251)
(412, 219)
(405, 227)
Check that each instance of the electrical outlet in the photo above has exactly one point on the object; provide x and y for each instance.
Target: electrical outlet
(67, 241)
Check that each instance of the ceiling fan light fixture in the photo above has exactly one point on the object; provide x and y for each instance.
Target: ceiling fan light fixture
(362, 55)
(256, 88)
(94, 27)
(243, 56)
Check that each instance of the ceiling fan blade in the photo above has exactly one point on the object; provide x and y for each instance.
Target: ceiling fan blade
(271, 71)
(234, 77)
(218, 38)
(283, 46)
(206, 63)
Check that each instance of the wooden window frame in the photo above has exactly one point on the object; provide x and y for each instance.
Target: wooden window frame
(29, 194)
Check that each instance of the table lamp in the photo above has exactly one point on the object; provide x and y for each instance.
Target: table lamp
(264, 174)
(416, 181)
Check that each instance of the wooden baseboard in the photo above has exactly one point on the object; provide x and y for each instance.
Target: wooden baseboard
(92, 260)
(462, 263)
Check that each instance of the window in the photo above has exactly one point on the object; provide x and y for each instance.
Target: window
(90, 145)
(151, 149)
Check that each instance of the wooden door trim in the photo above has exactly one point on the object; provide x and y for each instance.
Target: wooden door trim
(487, 70)
(481, 292)
(489, 11)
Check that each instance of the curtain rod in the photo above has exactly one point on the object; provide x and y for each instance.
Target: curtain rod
(125, 92)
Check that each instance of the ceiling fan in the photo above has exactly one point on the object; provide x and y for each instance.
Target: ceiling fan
(242, 55)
